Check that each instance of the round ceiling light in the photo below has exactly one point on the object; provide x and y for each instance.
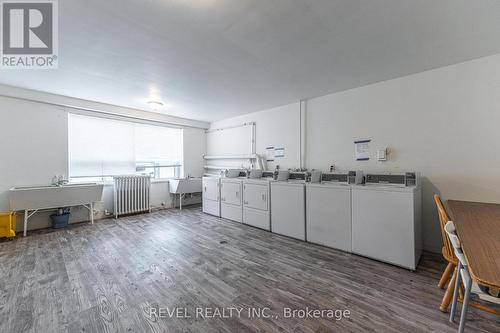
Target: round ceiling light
(155, 105)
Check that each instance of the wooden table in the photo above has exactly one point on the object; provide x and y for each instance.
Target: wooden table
(478, 227)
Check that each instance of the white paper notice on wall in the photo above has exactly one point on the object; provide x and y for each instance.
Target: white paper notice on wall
(362, 150)
(270, 154)
(279, 152)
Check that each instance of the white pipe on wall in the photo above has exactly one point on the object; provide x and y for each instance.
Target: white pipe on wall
(228, 127)
(302, 134)
(254, 138)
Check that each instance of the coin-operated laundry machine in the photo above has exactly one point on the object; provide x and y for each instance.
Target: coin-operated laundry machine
(328, 210)
(386, 218)
(257, 199)
(288, 205)
(231, 193)
(211, 195)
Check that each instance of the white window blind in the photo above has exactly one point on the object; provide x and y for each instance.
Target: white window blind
(100, 148)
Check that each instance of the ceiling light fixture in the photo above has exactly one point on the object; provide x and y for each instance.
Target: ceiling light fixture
(155, 105)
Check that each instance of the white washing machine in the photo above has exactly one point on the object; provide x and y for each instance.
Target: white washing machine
(231, 193)
(288, 206)
(386, 219)
(211, 195)
(256, 201)
(328, 212)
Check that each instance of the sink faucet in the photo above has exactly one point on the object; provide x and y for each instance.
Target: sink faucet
(59, 180)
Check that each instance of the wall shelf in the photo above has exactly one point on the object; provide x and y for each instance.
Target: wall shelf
(206, 174)
(214, 167)
(231, 157)
(252, 158)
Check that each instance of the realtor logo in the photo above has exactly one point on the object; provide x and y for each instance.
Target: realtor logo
(29, 34)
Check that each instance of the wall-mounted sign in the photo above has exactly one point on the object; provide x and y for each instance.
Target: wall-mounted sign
(270, 154)
(279, 152)
(362, 150)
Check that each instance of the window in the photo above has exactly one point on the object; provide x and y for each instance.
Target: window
(100, 148)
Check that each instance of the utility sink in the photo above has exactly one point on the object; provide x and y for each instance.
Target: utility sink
(185, 185)
(53, 196)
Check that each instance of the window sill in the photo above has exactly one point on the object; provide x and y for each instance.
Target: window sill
(110, 182)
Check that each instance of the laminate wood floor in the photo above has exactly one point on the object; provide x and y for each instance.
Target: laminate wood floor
(108, 276)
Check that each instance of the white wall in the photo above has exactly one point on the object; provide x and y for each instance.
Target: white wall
(278, 127)
(32, 139)
(443, 123)
(236, 140)
(34, 148)
(194, 142)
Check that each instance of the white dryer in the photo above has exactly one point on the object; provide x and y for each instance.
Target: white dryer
(231, 198)
(256, 201)
(386, 219)
(288, 206)
(211, 195)
(328, 212)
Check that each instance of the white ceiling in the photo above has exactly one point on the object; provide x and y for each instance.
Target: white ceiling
(213, 59)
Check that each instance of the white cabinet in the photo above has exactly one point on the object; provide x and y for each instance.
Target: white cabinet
(256, 195)
(211, 195)
(386, 224)
(288, 216)
(231, 199)
(328, 215)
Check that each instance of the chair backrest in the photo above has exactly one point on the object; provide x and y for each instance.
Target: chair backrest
(450, 230)
(443, 219)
